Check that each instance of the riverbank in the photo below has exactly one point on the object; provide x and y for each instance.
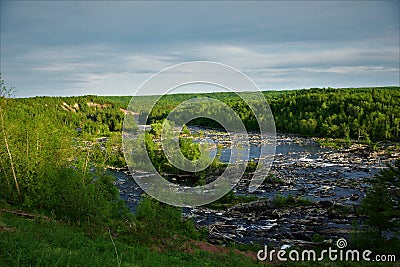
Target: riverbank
(334, 181)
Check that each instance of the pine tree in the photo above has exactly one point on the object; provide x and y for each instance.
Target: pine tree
(381, 204)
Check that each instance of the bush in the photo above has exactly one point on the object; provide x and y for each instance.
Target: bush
(290, 201)
(157, 221)
(67, 196)
(36, 155)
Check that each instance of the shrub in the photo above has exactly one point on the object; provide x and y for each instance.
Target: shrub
(157, 221)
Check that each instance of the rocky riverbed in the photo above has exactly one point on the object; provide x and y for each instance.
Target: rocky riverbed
(264, 223)
(334, 180)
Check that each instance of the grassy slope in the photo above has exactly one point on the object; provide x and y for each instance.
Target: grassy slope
(40, 242)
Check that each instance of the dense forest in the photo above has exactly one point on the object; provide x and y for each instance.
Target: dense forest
(356, 113)
(54, 152)
(369, 113)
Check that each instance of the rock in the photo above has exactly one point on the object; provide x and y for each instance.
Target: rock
(325, 203)
(354, 197)
(301, 236)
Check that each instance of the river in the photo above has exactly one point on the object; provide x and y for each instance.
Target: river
(328, 177)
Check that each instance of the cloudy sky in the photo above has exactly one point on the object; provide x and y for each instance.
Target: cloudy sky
(111, 48)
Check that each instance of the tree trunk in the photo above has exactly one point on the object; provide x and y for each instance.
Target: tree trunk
(10, 156)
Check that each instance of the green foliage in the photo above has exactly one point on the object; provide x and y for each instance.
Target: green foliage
(333, 143)
(359, 113)
(43, 168)
(87, 115)
(317, 238)
(105, 152)
(37, 242)
(230, 199)
(157, 222)
(156, 129)
(251, 166)
(369, 113)
(52, 161)
(381, 208)
(381, 204)
(191, 150)
(273, 179)
(94, 200)
(369, 238)
(185, 130)
(290, 201)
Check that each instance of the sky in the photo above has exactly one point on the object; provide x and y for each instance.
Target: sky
(64, 48)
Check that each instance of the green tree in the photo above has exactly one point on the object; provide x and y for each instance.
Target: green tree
(381, 204)
(4, 94)
(52, 171)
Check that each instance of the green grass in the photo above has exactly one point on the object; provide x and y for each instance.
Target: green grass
(41, 242)
(45, 242)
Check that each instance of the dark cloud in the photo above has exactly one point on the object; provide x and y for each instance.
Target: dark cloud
(63, 45)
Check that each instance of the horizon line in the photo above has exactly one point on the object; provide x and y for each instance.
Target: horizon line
(212, 92)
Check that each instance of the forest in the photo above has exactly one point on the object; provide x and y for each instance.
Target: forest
(356, 113)
(349, 113)
(55, 152)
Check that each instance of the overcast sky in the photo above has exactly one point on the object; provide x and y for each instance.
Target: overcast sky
(111, 48)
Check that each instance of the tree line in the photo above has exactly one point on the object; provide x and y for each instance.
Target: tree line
(348, 113)
(359, 113)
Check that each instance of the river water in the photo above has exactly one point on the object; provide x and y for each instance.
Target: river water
(304, 169)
